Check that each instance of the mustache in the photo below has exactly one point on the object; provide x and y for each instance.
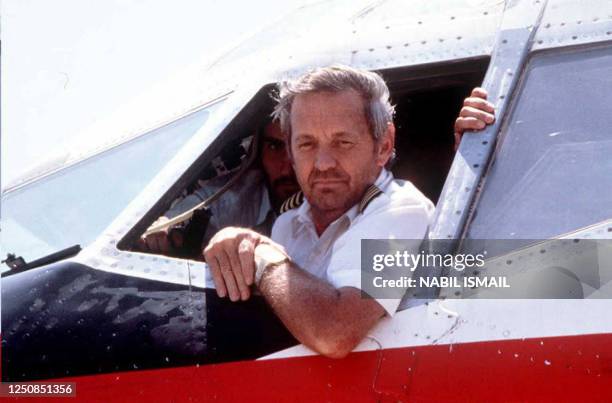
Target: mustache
(285, 180)
(334, 174)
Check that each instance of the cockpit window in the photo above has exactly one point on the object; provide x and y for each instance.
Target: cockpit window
(553, 171)
(75, 204)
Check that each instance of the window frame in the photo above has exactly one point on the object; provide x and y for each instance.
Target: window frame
(465, 178)
(242, 118)
(513, 104)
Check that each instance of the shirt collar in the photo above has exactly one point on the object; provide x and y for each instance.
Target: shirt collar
(384, 179)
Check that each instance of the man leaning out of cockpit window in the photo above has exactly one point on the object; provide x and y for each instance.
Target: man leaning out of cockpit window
(340, 137)
(254, 201)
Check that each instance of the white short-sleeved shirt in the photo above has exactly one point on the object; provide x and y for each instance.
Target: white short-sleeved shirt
(400, 212)
(246, 204)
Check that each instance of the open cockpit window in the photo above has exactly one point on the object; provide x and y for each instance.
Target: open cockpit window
(226, 186)
(233, 184)
(428, 100)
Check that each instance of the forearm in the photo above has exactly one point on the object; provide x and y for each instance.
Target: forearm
(331, 321)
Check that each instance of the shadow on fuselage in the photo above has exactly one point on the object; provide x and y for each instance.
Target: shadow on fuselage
(68, 319)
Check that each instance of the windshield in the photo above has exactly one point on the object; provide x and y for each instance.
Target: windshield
(553, 172)
(74, 205)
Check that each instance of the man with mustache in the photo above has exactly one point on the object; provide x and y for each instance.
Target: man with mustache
(252, 202)
(279, 175)
(255, 200)
(340, 139)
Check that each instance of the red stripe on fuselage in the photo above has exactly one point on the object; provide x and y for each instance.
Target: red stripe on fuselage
(570, 368)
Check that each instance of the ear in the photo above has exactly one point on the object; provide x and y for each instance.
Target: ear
(385, 146)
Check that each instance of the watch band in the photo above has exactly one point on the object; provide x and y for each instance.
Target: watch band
(266, 256)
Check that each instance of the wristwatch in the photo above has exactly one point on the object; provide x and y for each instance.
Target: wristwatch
(266, 256)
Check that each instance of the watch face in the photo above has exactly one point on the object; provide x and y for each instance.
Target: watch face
(266, 255)
(269, 254)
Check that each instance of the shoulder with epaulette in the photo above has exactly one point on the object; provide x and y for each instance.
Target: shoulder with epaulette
(372, 193)
(292, 202)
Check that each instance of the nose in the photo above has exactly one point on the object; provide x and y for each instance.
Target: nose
(285, 167)
(324, 160)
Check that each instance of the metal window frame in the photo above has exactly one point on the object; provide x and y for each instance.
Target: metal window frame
(475, 152)
(461, 188)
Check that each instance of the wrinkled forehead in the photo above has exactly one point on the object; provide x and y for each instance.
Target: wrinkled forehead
(328, 111)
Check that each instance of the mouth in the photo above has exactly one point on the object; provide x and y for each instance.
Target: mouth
(328, 182)
(332, 180)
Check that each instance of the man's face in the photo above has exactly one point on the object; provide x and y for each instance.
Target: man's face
(276, 164)
(334, 154)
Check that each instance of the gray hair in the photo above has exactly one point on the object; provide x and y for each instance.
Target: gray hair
(372, 88)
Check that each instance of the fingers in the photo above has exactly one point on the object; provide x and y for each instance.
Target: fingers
(472, 118)
(163, 243)
(479, 93)
(468, 123)
(215, 270)
(177, 238)
(230, 255)
(227, 272)
(151, 243)
(157, 243)
(140, 245)
(221, 271)
(475, 114)
(479, 104)
(246, 254)
(236, 270)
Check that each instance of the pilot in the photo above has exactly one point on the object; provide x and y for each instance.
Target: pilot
(266, 187)
(340, 139)
(269, 185)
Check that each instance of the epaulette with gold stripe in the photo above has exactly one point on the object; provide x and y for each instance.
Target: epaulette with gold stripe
(372, 193)
(292, 202)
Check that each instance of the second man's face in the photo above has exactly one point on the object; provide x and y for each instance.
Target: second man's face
(276, 164)
(334, 154)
